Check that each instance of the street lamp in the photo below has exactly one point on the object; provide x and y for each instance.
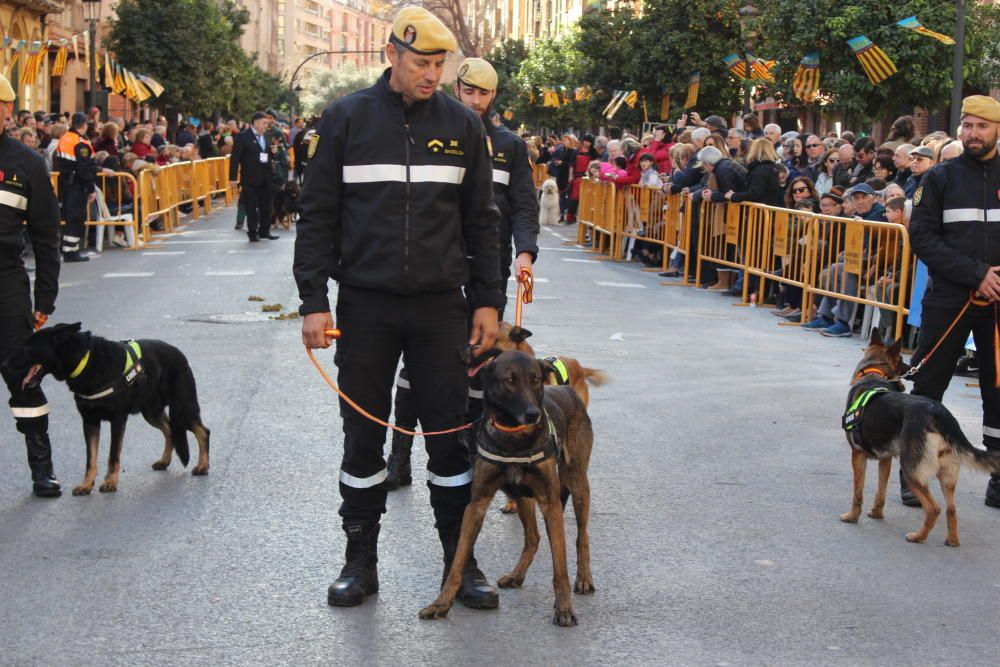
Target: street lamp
(749, 18)
(92, 15)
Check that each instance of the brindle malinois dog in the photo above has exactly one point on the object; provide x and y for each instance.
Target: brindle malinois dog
(534, 441)
(882, 422)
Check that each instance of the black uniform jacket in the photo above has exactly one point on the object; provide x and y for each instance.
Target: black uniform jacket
(398, 199)
(26, 194)
(246, 158)
(514, 190)
(955, 227)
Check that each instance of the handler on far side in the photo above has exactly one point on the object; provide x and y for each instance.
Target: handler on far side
(954, 231)
(397, 207)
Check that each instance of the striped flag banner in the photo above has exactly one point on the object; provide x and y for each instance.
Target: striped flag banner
(62, 57)
(153, 85)
(614, 99)
(760, 69)
(694, 83)
(632, 99)
(109, 72)
(806, 81)
(665, 106)
(874, 62)
(913, 24)
(737, 66)
(36, 57)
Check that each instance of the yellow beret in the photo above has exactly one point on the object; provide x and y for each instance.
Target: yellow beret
(479, 73)
(418, 30)
(6, 92)
(982, 106)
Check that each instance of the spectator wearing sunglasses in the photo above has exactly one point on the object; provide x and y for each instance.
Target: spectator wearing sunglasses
(815, 148)
(828, 164)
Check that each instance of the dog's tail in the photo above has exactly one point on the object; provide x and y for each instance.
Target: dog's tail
(184, 410)
(594, 376)
(984, 460)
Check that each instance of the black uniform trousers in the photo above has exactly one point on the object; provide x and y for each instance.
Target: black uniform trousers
(75, 214)
(29, 406)
(933, 378)
(256, 203)
(431, 332)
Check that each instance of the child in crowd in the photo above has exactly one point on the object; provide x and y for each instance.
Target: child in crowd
(650, 177)
(594, 170)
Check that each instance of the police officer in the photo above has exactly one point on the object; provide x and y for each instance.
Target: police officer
(26, 194)
(397, 207)
(954, 231)
(74, 160)
(515, 195)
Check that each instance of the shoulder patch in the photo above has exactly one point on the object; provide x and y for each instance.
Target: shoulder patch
(918, 195)
(313, 144)
(84, 152)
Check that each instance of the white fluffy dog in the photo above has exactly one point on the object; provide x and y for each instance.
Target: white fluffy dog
(548, 213)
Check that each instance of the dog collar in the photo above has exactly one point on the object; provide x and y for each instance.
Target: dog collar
(80, 366)
(549, 447)
(133, 369)
(869, 371)
(513, 429)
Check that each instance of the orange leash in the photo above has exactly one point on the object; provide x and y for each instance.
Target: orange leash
(525, 293)
(335, 333)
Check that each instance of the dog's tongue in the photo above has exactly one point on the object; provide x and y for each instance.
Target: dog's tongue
(475, 369)
(32, 372)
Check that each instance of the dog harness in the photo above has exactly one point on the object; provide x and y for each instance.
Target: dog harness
(851, 422)
(548, 448)
(561, 372)
(133, 369)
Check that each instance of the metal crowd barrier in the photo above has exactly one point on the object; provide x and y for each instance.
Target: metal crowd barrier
(539, 173)
(864, 263)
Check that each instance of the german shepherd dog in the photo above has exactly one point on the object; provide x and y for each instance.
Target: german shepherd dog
(534, 441)
(920, 431)
(155, 378)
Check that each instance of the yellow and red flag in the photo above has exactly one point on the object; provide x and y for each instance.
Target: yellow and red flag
(874, 62)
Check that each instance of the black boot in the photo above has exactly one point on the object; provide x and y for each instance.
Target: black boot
(475, 592)
(905, 494)
(359, 576)
(993, 491)
(40, 461)
(397, 469)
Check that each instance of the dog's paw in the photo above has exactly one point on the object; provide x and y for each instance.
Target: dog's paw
(510, 507)
(83, 490)
(108, 487)
(876, 513)
(564, 618)
(510, 581)
(915, 538)
(584, 586)
(849, 517)
(160, 465)
(436, 610)
(198, 471)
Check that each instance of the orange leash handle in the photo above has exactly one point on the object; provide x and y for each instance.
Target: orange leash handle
(525, 293)
(336, 333)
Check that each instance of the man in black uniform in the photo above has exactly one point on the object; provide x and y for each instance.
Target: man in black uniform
(26, 194)
(954, 231)
(251, 159)
(74, 160)
(515, 195)
(397, 206)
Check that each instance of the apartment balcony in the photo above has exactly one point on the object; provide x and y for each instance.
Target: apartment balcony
(46, 6)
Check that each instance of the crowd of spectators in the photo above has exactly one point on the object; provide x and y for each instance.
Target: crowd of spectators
(836, 175)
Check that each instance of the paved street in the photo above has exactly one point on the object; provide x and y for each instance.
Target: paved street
(718, 475)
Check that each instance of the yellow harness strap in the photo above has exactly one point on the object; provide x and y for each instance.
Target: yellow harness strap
(128, 357)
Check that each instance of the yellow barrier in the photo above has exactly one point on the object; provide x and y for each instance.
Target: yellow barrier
(539, 173)
(155, 198)
(590, 199)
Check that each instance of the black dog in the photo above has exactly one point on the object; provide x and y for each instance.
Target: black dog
(882, 422)
(112, 380)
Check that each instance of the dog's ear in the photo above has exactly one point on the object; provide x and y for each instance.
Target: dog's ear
(895, 349)
(518, 335)
(876, 338)
(64, 328)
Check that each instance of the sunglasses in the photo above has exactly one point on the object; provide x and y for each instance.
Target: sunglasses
(813, 145)
(834, 159)
(800, 190)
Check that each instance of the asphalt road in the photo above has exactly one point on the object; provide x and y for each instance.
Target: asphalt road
(718, 475)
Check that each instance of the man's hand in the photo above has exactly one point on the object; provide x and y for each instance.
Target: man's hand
(990, 287)
(40, 320)
(696, 119)
(729, 195)
(522, 261)
(682, 121)
(234, 184)
(485, 327)
(92, 197)
(706, 194)
(313, 326)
